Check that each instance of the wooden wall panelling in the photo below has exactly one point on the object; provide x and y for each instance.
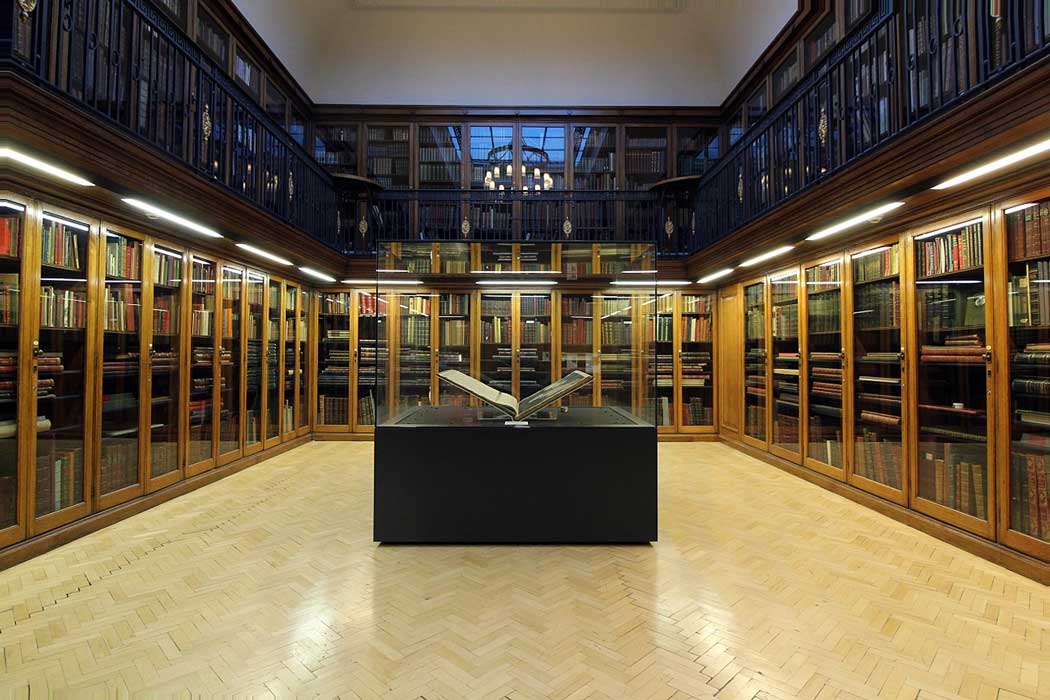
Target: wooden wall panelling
(729, 339)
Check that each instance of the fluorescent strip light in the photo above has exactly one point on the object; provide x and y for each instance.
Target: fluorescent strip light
(512, 272)
(639, 272)
(520, 283)
(1014, 210)
(314, 273)
(940, 282)
(43, 167)
(65, 222)
(384, 283)
(999, 164)
(855, 221)
(391, 270)
(873, 251)
(4, 204)
(948, 229)
(263, 254)
(169, 253)
(767, 256)
(715, 276)
(651, 283)
(173, 218)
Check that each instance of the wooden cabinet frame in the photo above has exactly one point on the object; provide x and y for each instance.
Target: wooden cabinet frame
(679, 338)
(767, 331)
(210, 463)
(268, 440)
(774, 449)
(239, 360)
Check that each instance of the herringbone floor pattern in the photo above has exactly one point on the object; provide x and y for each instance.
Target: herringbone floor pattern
(762, 587)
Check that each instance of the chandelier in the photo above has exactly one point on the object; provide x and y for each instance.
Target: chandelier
(502, 178)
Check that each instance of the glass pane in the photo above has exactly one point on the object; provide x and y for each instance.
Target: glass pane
(273, 361)
(784, 304)
(247, 74)
(11, 226)
(535, 257)
(662, 349)
(1028, 310)
(497, 257)
(202, 382)
(694, 155)
(256, 298)
(230, 362)
(497, 346)
(617, 351)
(304, 368)
(577, 343)
(212, 38)
(167, 332)
(454, 352)
(373, 357)
(543, 155)
(698, 398)
(333, 361)
(291, 323)
(577, 261)
(877, 357)
(276, 104)
(952, 385)
(491, 157)
(594, 157)
(335, 147)
(755, 360)
(63, 358)
(454, 258)
(388, 156)
(440, 157)
(121, 364)
(825, 348)
(534, 355)
(756, 106)
(414, 353)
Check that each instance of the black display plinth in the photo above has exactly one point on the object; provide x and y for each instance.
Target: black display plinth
(588, 477)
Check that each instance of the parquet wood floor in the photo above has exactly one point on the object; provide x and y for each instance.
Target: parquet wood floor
(762, 587)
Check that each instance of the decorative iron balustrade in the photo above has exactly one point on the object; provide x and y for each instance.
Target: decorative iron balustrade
(914, 59)
(126, 62)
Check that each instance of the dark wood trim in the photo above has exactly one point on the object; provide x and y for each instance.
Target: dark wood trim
(351, 113)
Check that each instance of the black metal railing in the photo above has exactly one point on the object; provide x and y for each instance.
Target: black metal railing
(126, 62)
(483, 215)
(912, 60)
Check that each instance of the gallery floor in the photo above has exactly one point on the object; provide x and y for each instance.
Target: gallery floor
(761, 587)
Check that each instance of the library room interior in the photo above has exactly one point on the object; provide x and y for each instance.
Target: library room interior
(520, 349)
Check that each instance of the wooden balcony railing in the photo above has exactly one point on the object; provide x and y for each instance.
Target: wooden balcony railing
(126, 63)
(913, 59)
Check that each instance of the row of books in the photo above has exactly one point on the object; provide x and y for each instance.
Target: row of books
(755, 420)
(877, 265)
(119, 466)
(616, 333)
(63, 308)
(167, 270)
(878, 458)
(415, 330)
(877, 305)
(1028, 231)
(202, 321)
(824, 313)
(694, 412)
(123, 257)
(695, 369)
(959, 481)
(662, 329)
(455, 331)
(391, 133)
(577, 331)
(785, 321)
(960, 350)
(122, 309)
(9, 388)
(825, 440)
(203, 277)
(696, 329)
(59, 478)
(439, 173)
(575, 269)
(693, 304)
(10, 236)
(755, 325)
(535, 333)
(495, 307)
(786, 430)
(333, 410)
(535, 305)
(9, 299)
(962, 249)
(60, 245)
(1029, 495)
(497, 330)
(577, 306)
(646, 162)
(1028, 295)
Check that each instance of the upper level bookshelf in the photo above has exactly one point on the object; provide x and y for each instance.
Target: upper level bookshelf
(594, 158)
(388, 155)
(645, 156)
(440, 157)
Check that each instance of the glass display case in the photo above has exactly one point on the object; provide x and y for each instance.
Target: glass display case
(784, 331)
(164, 357)
(203, 366)
(953, 371)
(755, 354)
(696, 359)
(122, 380)
(878, 359)
(825, 362)
(12, 238)
(273, 360)
(230, 362)
(454, 350)
(291, 358)
(255, 309)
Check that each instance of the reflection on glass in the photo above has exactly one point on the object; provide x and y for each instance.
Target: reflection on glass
(577, 343)
(877, 358)
(784, 308)
(577, 260)
(59, 469)
(256, 309)
(952, 396)
(121, 361)
(697, 385)
(594, 157)
(824, 336)
(333, 361)
(492, 157)
(755, 360)
(273, 361)
(543, 155)
(229, 362)
(454, 351)
(454, 258)
(11, 228)
(203, 367)
(440, 157)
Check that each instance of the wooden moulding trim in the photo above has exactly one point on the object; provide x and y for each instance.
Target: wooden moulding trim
(985, 549)
(326, 113)
(17, 553)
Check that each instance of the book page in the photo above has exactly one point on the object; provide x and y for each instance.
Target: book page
(549, 394)
(504, 402)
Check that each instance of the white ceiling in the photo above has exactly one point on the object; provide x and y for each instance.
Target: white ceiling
(519, 52)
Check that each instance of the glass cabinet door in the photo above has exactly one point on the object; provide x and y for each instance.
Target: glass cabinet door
(534, 350)
(616, 364)
(661, 357)
(594, 157)
(413, 360)
(291, 355)
(387, 156)
(202, 363)
(333, 360)
(877, 415)
(12, 228)
(273, 361)
(440, 160)
(824, 363)
(454, 351)
(497, 341)
(1028, 314)
(454, 258)
(696, 353)
(577, 343)
(164, 362)
(255, 309)
(755, 361)
(373, 358)
(121, 364)
(952, 382)
(230, 362)
(303, 371)
(62, 358)
(784, 319)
